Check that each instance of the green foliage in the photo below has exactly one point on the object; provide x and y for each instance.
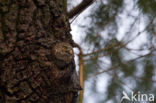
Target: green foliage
(133, 69)
(90, 67)
(105, 13)
(146, 81)
(147, 6)
(112, 89)
(128, 69)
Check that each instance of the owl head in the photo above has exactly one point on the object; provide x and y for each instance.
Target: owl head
(63, 54)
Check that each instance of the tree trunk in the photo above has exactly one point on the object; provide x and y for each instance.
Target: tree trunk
(36, 56)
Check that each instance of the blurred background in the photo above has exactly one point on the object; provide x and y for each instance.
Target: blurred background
(118, 39)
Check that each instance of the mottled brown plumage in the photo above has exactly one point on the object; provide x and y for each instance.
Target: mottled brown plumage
(63, 54)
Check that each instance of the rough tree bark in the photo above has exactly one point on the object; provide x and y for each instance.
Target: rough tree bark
(30, 31)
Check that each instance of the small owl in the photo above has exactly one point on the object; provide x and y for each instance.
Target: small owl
(63, 54)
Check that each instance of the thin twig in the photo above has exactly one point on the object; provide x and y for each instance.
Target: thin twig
(116, 66)
(124, 45)
(81, 67)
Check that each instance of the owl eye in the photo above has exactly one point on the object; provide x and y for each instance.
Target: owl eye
(65, 47)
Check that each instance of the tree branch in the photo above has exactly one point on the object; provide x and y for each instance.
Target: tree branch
(81, 69)
(79, 8)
